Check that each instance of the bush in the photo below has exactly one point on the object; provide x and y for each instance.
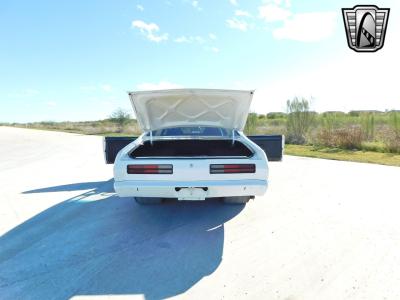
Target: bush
(392, 141)
(368, 126)
(120, 117)
(391, 135)
(345, 138)
(354, 113)
(276, 115)
(251, 124)
(299, 120)
(394, 121)
(373, 146)
(393, 145)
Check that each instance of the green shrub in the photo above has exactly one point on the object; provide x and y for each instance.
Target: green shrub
(394, 121)
(251, 124)
(368, 126)
(354, 113)
(299, 120)
(392, 141)
(276, 115)
(373, 146)
(121, 118)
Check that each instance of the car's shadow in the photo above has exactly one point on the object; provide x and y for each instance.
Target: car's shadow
(100, 244)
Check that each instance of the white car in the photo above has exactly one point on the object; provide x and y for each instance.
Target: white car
(192, 148)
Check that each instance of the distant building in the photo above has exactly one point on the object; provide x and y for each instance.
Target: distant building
(333, 112)
(361, 112)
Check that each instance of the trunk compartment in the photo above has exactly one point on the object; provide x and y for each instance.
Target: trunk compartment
(191, 148)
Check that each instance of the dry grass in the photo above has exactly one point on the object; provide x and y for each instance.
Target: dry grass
(344, 138)
(389, 159)
(102, 127)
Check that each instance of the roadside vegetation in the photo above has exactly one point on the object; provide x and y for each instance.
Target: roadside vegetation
(362, 136)
(119, 122)
(367, 136)
(390, 159)
(372, 131)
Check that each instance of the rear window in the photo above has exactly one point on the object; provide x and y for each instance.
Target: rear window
(192, 131)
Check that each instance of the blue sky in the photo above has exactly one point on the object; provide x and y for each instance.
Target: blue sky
(75, 60)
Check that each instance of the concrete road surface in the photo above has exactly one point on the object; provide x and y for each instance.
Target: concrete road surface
(324, 230)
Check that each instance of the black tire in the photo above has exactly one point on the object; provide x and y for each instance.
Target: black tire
(237, 200)
(148, 200)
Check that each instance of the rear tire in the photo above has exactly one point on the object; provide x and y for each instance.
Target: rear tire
(148, 200)
(237, 200)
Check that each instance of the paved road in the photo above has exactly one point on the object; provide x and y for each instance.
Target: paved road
(325, 230)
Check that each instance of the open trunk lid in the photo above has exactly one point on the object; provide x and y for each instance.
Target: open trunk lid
(190, 107)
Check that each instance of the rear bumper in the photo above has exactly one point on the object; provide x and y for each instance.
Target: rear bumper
(170, 189)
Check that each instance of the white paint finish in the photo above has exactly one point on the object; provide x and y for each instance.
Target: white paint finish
(324, 230)
(166, 189)
(191, 107)
(191, 172)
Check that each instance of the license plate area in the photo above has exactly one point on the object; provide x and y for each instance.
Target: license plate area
(191, 193)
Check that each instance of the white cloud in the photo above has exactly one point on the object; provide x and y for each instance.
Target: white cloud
(234, 2)
(302, 27)
(339, 90)
(272, 13)
(279, 2)
(106, 87)
(366, 85)
(305, 27)
(212, 36)
(199, 39)
(237, 24)
(162, 85)
(196, 5)
(51, 103)
(189, 39)
(242, 13)
(140, 7)
(182, 39)
(212, 49)
(149, 30)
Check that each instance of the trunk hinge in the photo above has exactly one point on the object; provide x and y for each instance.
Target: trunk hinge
(233, 136)
(151, 137)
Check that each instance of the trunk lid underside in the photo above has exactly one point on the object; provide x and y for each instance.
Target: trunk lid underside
(191, 107)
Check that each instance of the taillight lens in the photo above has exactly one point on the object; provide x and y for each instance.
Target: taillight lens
(149, 169)
(232, 168)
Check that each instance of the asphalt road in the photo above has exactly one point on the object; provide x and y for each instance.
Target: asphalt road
(324, 230)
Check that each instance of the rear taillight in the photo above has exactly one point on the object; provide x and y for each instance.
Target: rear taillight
(149, 169)
(232, 168)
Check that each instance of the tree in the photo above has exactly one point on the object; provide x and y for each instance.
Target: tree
(120, 117)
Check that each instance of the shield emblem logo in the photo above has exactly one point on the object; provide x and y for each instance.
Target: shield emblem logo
(365, 27)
